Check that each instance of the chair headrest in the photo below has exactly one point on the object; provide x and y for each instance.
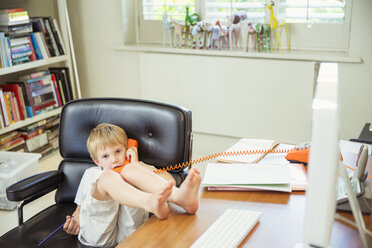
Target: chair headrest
(162, 131)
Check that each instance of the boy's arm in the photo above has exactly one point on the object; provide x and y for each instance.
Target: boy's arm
(72, 225)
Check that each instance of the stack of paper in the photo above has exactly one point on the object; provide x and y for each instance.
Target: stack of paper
(220, 176)
(255, 171)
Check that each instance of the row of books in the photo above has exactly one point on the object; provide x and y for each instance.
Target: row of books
(24, 39)
(40, 137)
(33, 94)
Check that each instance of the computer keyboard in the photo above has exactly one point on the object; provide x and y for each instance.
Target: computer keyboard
(228, 230)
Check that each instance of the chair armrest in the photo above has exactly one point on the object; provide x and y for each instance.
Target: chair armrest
(34, 186)
(31, 188)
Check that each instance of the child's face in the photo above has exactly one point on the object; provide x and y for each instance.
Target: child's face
(110, 157)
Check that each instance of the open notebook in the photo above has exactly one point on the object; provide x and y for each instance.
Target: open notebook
(248, 145)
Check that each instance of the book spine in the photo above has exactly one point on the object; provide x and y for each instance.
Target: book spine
(9, 56)
(36, 47)
(18, 16)
(4, 109)
(22, 101)
(13, 108)
(20, 48)
(21, 60)
(35, 79)
(42, 91)
(37, 142)
(29, 111)
(34, 75)
(18, 41)
(44, 105)
(12, 144)
(8, 107)
(15, 31)
(51, 36)
(16, 107)
(42, 46)
(33, 54)
(42, 99)
(9, 137)
(2, 125)
(29, 135)
(7, 11)
(3, 51)
(60, 88)
(56, 90)
(56, 35)
(21, 54)
(60, 36)
(36, 85)
(31, 108)
(68, 83)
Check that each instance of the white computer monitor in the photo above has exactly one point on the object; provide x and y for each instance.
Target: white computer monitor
(324, 159)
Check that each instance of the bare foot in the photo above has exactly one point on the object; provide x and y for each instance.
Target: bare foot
(187, 196)
(158, 202)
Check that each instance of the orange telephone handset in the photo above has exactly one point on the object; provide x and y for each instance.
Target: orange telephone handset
(297, 155)
(130, 143)
(300, 154)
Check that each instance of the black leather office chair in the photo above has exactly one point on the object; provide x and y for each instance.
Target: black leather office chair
(164, 135)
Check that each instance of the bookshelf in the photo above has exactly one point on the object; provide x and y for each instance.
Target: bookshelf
(30, 121)
(57, 9)
(33, 65)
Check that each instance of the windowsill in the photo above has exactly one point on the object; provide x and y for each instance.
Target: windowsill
(318, 56)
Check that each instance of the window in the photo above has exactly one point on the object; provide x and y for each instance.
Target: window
(313, 24)
(154, 9)
(312, 11)
(219, 9)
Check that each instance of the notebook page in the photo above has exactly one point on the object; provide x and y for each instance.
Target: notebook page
(276, 158)
(247, 145)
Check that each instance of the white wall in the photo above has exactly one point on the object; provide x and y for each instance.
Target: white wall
(234, 96)
(96, 28)
(229, 97)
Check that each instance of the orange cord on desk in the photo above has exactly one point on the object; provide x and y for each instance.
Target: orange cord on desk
(219, 154)
(354, 169)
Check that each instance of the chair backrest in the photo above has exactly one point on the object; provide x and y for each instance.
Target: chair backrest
(163, 133)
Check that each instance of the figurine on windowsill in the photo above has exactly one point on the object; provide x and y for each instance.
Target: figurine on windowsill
(190, 21)
(167, 28)
(178, 31)
(275, 25)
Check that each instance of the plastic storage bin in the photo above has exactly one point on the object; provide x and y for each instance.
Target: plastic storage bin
(15, 166)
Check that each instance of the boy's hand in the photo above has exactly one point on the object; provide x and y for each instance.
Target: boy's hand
(132, 154)
(72, 225)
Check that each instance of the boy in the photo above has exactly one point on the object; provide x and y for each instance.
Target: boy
(112, 205)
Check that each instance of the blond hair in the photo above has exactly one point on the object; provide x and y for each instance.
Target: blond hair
(105, 135)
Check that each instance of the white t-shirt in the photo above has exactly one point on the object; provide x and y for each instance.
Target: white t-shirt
(104, 223)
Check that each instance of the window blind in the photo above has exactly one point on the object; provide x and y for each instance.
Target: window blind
(317, 11)
(154, 9)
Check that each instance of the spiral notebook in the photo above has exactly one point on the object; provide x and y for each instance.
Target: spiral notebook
(248, 145)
